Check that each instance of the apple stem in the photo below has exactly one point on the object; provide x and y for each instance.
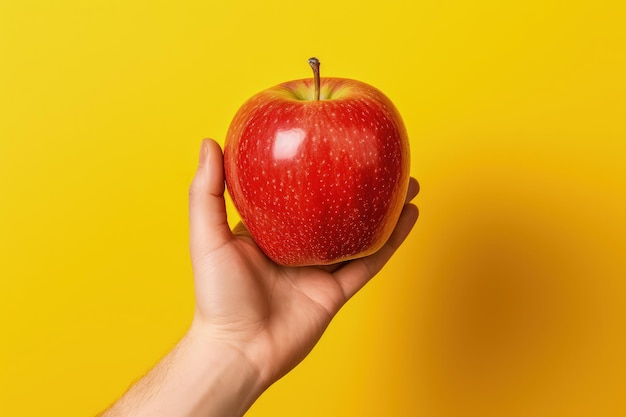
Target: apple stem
(315, 65)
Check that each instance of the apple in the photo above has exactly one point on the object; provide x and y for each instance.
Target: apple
(318, 169)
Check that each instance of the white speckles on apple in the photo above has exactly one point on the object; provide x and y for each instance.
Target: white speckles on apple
(323, 197)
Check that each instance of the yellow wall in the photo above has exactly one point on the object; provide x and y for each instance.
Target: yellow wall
(508, 298)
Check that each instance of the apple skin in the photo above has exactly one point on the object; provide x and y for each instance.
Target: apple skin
(318, 182)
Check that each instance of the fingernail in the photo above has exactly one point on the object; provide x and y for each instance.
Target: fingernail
(204, 150)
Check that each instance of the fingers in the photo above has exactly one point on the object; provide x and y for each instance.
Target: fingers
(413, 190)
(207, 209)
(355, 274)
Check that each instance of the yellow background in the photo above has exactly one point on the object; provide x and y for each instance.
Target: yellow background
(507, 299)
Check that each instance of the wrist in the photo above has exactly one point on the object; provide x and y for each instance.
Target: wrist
(225, 381)
(199, 377)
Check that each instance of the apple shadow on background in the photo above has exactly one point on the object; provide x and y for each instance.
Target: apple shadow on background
(505, 311)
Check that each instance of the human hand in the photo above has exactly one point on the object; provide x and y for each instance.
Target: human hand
(254, 320)
(273, 315)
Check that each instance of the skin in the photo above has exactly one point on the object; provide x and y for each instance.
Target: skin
(254, 320)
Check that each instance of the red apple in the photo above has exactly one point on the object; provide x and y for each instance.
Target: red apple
(318, 169)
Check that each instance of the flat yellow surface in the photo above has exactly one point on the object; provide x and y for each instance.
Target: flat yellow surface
(509, 297)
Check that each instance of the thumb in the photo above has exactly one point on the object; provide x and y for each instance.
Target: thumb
(207, 207)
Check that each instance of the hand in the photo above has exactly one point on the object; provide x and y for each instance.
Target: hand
(254, 320)
(271, 314)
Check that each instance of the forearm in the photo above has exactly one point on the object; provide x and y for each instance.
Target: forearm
(197, 378)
